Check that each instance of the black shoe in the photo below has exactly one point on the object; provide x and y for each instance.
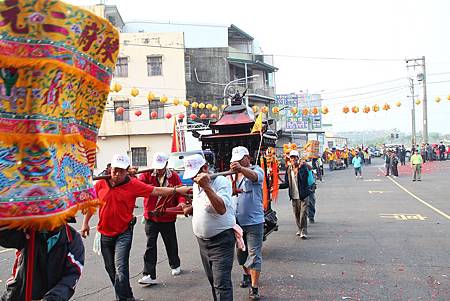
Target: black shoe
(253, 293)
(246, 280)
(311, 220)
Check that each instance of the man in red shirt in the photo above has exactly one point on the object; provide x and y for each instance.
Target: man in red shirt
(118, 195)
(164, 224)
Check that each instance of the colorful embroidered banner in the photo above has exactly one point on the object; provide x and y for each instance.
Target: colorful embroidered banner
(56, 63)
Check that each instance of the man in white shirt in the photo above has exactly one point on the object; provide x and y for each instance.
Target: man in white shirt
(212, 222)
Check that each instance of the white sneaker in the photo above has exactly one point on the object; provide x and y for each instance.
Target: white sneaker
(176, 272)
(147, 280)
(298, 233)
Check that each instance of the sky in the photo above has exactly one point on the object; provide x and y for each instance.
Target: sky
(303, 35)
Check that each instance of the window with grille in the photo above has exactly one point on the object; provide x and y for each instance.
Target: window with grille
(156, 106)
(121, 67)
(139, 156)
(125, 116)
(154, 65)
(187, 67)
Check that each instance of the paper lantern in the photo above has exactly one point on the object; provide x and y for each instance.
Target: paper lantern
(203, 116)
(355, 109)
(150, 96)
(176, 101)
(437, 99)
(305, 111)
(315, 111)
(375, 108)
(138, 113)
(186, 103)
(134, 92)
(163, 99)
(386, 107)
(117, 87)
(448, 97)
(294, 110)
(325, 110)
(154, 114)
(213, 116)
(120, 110)
(193, 116)
(201, 106)
(255, 109)
(209, 106)
(366, 109)
(181, 116)
(418, 101)
(168, 115)
(293, 146)
(223, 106)
(275, 110)
(194, 105)
(398, 104)
(214, 109)
(345, 110)
(265, 109)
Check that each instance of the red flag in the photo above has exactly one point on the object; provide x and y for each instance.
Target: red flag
(175, 143)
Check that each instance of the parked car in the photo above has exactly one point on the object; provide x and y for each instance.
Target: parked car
(176, 162)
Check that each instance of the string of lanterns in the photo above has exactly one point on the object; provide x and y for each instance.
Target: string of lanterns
(134, 92)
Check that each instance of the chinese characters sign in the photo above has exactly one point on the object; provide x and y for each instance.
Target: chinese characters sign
(299, 121)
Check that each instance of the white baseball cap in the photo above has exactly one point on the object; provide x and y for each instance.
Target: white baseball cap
(238, 153)
(160, 160)
(192, 165)
(120, 161)
(294, 153)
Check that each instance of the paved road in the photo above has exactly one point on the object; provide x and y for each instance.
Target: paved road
(375, 239)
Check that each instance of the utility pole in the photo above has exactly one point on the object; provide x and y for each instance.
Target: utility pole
(420, 62)
(413, 114)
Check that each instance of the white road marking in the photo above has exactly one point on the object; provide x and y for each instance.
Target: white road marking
(419, 199)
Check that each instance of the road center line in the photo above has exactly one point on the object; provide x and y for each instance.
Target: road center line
(417, 198)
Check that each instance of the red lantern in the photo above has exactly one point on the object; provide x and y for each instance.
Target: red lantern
(138, 113)
(213, 116)
(181, 116)
(168, 115)
(193, 116)
(305, 111)
(315, 111)
(345, 110)
(154, 114)
(203, 116)
(120, 110)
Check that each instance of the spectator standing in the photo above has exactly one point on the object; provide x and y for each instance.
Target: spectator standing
(416, 164)
(357, 165)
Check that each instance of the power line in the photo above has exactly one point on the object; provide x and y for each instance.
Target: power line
(365, 86)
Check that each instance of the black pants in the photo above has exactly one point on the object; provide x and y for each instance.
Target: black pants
(217, 255)
(169, 236)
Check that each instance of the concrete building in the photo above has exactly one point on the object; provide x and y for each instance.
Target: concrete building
(148, 62)
(217, 55)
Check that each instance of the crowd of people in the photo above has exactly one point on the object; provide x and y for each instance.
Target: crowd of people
(225, 218)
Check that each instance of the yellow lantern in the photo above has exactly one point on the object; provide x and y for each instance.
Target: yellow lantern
(194, 105)
(437, 99)
(176, 101)
(315, 111)
(386, 107)
(375, 108)
(209, 106)
(265, 109)
(186, 103)
(150, 96)
(275, 110)
(117, 87)
(398, 104)
(418, 101)
(305, 111)
(134, 92)
(355, 109)
(325, 110)
(201, 105)
(223, 106)
(294, 110)
(366, 109)
(255, 109)
(214, 109)
(163, 99)
(448, 97)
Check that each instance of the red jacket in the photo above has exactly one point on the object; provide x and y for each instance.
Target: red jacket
(172, 180)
